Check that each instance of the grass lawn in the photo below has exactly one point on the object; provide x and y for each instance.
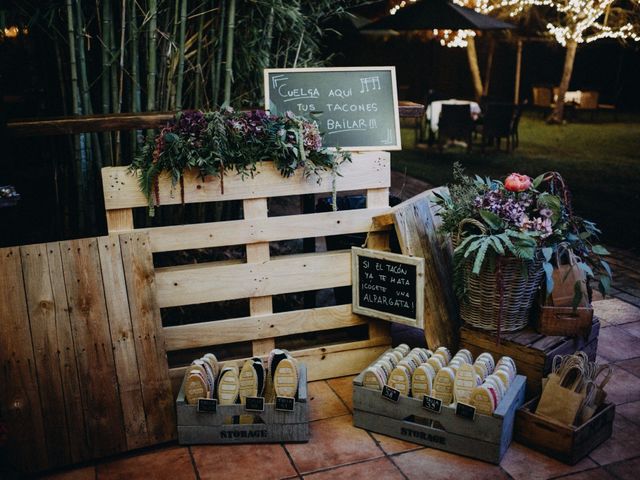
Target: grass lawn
(599, 161)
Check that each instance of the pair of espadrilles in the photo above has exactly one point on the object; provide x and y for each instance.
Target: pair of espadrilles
(252, 379)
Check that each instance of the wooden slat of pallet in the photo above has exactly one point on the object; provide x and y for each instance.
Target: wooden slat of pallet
(147, 330)
(378, 240)
(19, 394)
(119, 220)
(44, 332)
(257, 230)
(416, 227)
(367, 170)
(259, 327)
(202, 283)
(79, 446)
(89, 321)
(257, 209)
(122, 338)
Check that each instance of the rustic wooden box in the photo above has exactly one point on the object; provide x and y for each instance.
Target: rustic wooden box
(196, 428)
(485, 437)
(564, 320)
(566, 443)
(532, 351)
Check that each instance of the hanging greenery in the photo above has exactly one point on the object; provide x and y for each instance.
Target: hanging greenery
(225, 140)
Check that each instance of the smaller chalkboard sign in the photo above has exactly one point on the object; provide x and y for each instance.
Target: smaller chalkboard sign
(388, 286)
(391, 394)
(207, 405)
(285, 404)
(465, 411)
(432, 404)
(254, 404)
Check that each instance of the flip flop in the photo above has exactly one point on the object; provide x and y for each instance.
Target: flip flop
(248, 381)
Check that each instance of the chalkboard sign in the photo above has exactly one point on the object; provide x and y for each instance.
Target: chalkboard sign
(207, 405)
(285, 404)
(356, 108)
(465, 411)
(388, 286)
(391, 394)
(432, 404)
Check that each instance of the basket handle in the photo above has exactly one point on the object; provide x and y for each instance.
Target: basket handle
(470, 221)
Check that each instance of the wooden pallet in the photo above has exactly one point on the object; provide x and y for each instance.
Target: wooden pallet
(77, 319)
(486, 437)
(532, 351)
(260, 277)
(271, 425)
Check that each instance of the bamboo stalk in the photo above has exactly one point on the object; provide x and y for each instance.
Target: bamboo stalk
(151, 55)
(218, 74)
(170, 100)
(107, 151)
(228, 78)
(199, 70)
(118, 106)
(135, 80)
(183, 31)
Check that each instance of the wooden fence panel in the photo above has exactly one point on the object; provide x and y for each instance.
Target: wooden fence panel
(19, 395)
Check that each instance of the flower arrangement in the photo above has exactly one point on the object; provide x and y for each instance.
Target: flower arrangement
(521, 217)
(225, 140)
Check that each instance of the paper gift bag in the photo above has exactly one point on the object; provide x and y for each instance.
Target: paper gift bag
(568, 278)
(562, 396)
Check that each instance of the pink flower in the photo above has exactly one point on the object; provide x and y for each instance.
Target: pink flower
(517, 183)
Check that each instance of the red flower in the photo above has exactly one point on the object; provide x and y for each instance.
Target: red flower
(517, 183)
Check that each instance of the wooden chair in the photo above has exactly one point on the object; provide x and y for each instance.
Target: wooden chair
(456, 124)
(497, 124)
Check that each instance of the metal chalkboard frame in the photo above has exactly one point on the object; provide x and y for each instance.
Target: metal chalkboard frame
(392, 70)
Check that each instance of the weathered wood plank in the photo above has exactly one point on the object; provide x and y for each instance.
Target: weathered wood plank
(416, 227)
(119, 220)
(79, 445)
(260, 327)
(367, 170)
(44, 332)
(89, 321)
(124, 347)
(257, 230)
(192, 284)
(19, 394)
(147, 329)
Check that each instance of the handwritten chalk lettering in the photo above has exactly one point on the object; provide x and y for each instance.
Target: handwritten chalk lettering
(375, 288)
(373, 123)
(350, 107)
(432, 404)
(306, 107)
(370, 84)
(340, 92)
(291, 94)
(390, 302)
(391, 394)
(345, 125)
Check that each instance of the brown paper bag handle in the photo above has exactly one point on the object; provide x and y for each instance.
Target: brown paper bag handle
(578, 380)
(603, 368)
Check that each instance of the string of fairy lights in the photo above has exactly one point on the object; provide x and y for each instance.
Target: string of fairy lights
(582, 21)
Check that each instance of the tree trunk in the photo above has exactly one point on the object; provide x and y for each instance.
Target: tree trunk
(489, 64)
(472, 56)
(228, 68)
(558, 112)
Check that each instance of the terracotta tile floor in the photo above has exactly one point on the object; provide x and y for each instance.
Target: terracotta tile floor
(338, 450)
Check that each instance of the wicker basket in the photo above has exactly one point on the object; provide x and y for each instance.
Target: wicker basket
(483, 306)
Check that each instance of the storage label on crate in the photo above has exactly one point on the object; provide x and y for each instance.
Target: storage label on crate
(207, 405)
(465, 411)
(390, 393)
(432, 404)
(254, 404)
(388, 286)
(356, 108)
(285, 404)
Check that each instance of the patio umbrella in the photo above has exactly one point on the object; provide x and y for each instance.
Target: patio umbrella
(437, 14)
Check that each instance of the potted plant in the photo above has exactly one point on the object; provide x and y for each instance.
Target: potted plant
(505, 236)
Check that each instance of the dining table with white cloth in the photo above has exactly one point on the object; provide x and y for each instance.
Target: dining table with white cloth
(435, 107)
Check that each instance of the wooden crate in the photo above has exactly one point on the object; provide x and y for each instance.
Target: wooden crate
(196, 428)
(260, 276)
(485, 437)
(532, 351)
(566, 443)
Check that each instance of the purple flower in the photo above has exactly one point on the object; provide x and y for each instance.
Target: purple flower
(546, 213)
